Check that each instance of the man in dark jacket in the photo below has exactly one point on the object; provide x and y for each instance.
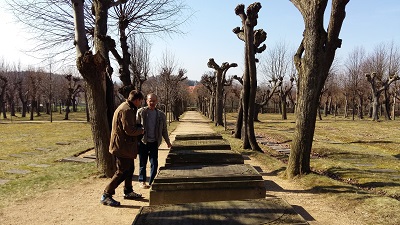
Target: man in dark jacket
(155, 123)
(124, 146)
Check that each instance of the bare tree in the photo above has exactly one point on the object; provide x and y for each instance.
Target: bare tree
(87, 28)
(11, 92)
(22, 89)
(355, 81)
(140, 58)
(170, 77)
(272, 89)
(74, 87)
(209, 82)
(142, 17)
(253, 39)
(220, 81)
(276, 68)
(3, 86)
(382, 68)
(313, 59)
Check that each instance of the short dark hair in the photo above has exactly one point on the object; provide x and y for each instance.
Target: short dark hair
(135, 94)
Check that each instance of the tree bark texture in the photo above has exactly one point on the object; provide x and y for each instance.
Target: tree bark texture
(313, 59)
(253, 39)
(377, 87)
(239, 120)
(220, 73)
(93, 68)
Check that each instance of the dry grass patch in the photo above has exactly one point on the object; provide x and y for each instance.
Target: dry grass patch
(356, 163)
(37, 149)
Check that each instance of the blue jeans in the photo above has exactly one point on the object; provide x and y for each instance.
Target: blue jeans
(149, 152)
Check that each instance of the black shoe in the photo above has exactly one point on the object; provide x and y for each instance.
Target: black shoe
(133, 195)
(108, 200)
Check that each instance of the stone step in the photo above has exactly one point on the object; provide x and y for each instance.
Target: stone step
(206, 157)
(235, 212)
(204, 136)
(215, 144)
(201, 183)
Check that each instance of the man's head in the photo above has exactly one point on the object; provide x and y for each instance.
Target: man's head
(151, 100)
(136, 97)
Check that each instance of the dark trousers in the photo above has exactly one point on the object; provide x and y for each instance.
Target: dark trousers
(125, 168)
(149, 152)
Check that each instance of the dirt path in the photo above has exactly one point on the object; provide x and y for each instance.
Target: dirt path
(80, 204)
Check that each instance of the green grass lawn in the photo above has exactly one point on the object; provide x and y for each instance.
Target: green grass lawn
(361, 152)
(355, 163)
(38, 146)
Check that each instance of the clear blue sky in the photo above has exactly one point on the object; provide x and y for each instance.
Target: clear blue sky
(209, 32)
(368, 23)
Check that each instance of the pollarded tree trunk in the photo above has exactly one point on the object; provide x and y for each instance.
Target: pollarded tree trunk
(313, 59)
(346, 105)
(253, 39)
(375, 106)
(212, 107)
(220, 73)
(360, 106)
(387, 105)
(2, 95)
(283, 108)
(375, 79)
(394, 106)
(284, 92)
(93, 67)
(239, 120)
(257, 109)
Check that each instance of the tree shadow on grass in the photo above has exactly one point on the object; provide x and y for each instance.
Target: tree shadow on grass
(271, 186)
(272, 173)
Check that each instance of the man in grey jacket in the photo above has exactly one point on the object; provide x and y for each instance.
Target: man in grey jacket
(124, 146)
(155, 124)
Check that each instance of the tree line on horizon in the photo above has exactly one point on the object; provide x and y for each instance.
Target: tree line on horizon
(35, 91)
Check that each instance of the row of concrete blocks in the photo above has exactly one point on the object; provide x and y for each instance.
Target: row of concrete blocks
(205, 182)
(203, 168)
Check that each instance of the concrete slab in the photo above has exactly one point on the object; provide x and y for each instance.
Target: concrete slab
(3, 181)
(283, 150)
(204, 136)
(18, 171)
(43, 149)
(77, 159)
(29, 153)
(92, 156)
(364, 164)
(17, 155)
(39, 165)
(238, 212)
(63, 143)
(201, 183)
(383, 170)
(205, 157)
(221, 144)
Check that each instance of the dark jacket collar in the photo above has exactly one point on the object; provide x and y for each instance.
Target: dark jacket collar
(131, 104)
